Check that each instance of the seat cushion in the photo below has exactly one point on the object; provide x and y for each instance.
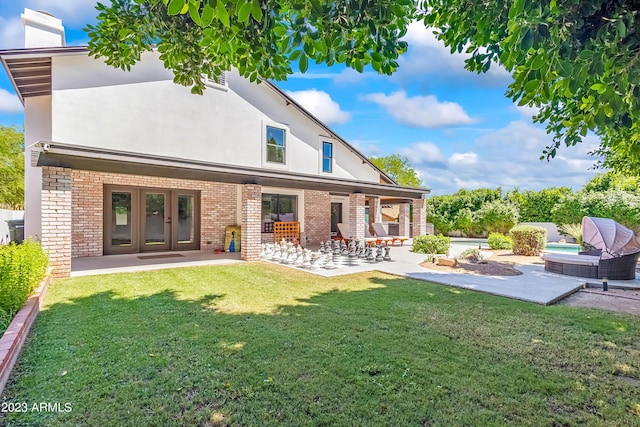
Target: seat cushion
(572, 259)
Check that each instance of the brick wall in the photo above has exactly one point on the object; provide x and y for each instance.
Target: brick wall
(317, 217)
(251, 222)
(404, 219)
(218, 205)
(419, 217)
(56, 218)
(356, 215)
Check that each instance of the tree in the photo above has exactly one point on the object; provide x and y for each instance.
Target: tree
(261, 38)
(398, 168)
(579, 61)
(11, 168)
(612, 180)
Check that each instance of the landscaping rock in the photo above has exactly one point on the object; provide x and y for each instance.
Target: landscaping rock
(448, 262)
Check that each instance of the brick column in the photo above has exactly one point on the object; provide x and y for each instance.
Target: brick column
(56, 218)
(405, 221)
(251, 211)
(375, 210)
(419, 217)
(317, 217)
(356, 216)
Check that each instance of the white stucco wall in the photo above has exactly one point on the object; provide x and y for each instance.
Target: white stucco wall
(144, 111)
(37, 127)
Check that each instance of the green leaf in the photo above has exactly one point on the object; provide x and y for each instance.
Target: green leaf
(532, 86)
(193, 13)
(621, 28)
(256, 12)
(527, 40)
(244, 12)
(538, 62)
(207, 15)
(279, 30)
(608, 111)
(175, 7)
(303, 63)
(222, 14)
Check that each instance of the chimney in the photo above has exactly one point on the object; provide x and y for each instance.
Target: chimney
(41, 29)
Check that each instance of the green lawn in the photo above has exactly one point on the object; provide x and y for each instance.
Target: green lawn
(257, 344)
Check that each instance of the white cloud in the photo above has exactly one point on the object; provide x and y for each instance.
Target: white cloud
(320, 104)
(423, 153)
(428, 61)
(11, 33)
(526, 111)
(9, 103)
(509, 158)
(73, 11)
(463, 159)
(420, 111)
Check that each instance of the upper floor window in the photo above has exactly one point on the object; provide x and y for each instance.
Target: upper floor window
(276, 145)
(327, 156)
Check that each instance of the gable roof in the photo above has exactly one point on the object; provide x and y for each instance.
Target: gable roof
(29, 70)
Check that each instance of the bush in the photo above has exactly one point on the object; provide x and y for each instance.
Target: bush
(528, 240)
(497, 216)
(499, 241)
(471, 255)
(22, 267)
(573, 230)
(431, 244)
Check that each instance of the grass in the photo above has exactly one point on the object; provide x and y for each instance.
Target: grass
(257, 344)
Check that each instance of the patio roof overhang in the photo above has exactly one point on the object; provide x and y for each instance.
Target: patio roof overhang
(100, 160)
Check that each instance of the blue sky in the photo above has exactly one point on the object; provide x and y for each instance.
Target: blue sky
(456, 127)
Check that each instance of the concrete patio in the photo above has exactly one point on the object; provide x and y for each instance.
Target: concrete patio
(534, 285)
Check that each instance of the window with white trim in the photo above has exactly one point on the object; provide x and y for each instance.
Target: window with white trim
(276, 145)
(327, 157)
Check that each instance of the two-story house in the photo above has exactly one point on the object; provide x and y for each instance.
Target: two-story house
(126, 162)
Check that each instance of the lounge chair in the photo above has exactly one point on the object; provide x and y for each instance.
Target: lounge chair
(376, 239)
(378, 228)
(614, 255)
(592, 266)
(345, 232)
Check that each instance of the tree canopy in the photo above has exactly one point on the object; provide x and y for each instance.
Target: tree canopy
(11, 168)
(399, 169)
(261, 38)
(578, 60)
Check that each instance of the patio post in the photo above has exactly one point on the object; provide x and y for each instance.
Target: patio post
(356, 215)
(56, 218)
(419, 217)
(251, 210)
(375, 211)
(404, 220)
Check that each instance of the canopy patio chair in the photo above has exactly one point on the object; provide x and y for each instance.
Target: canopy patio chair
(614, 252)
(378, 228)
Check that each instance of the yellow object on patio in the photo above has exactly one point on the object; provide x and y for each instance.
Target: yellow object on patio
(289, 231)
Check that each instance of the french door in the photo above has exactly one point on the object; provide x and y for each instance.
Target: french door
(150, 219)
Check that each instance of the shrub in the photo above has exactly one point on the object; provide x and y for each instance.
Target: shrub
(430, 244)
(22, 267)
(573, 230)
(528, 240)
(499, 241)
(465, 222)
(471, 254)
(497, 216)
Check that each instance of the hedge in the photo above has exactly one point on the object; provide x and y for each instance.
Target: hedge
(528, 240)
(22, 267)
(499, 241)
(430, 244)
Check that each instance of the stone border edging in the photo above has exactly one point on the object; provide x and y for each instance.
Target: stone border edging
(13, 338)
